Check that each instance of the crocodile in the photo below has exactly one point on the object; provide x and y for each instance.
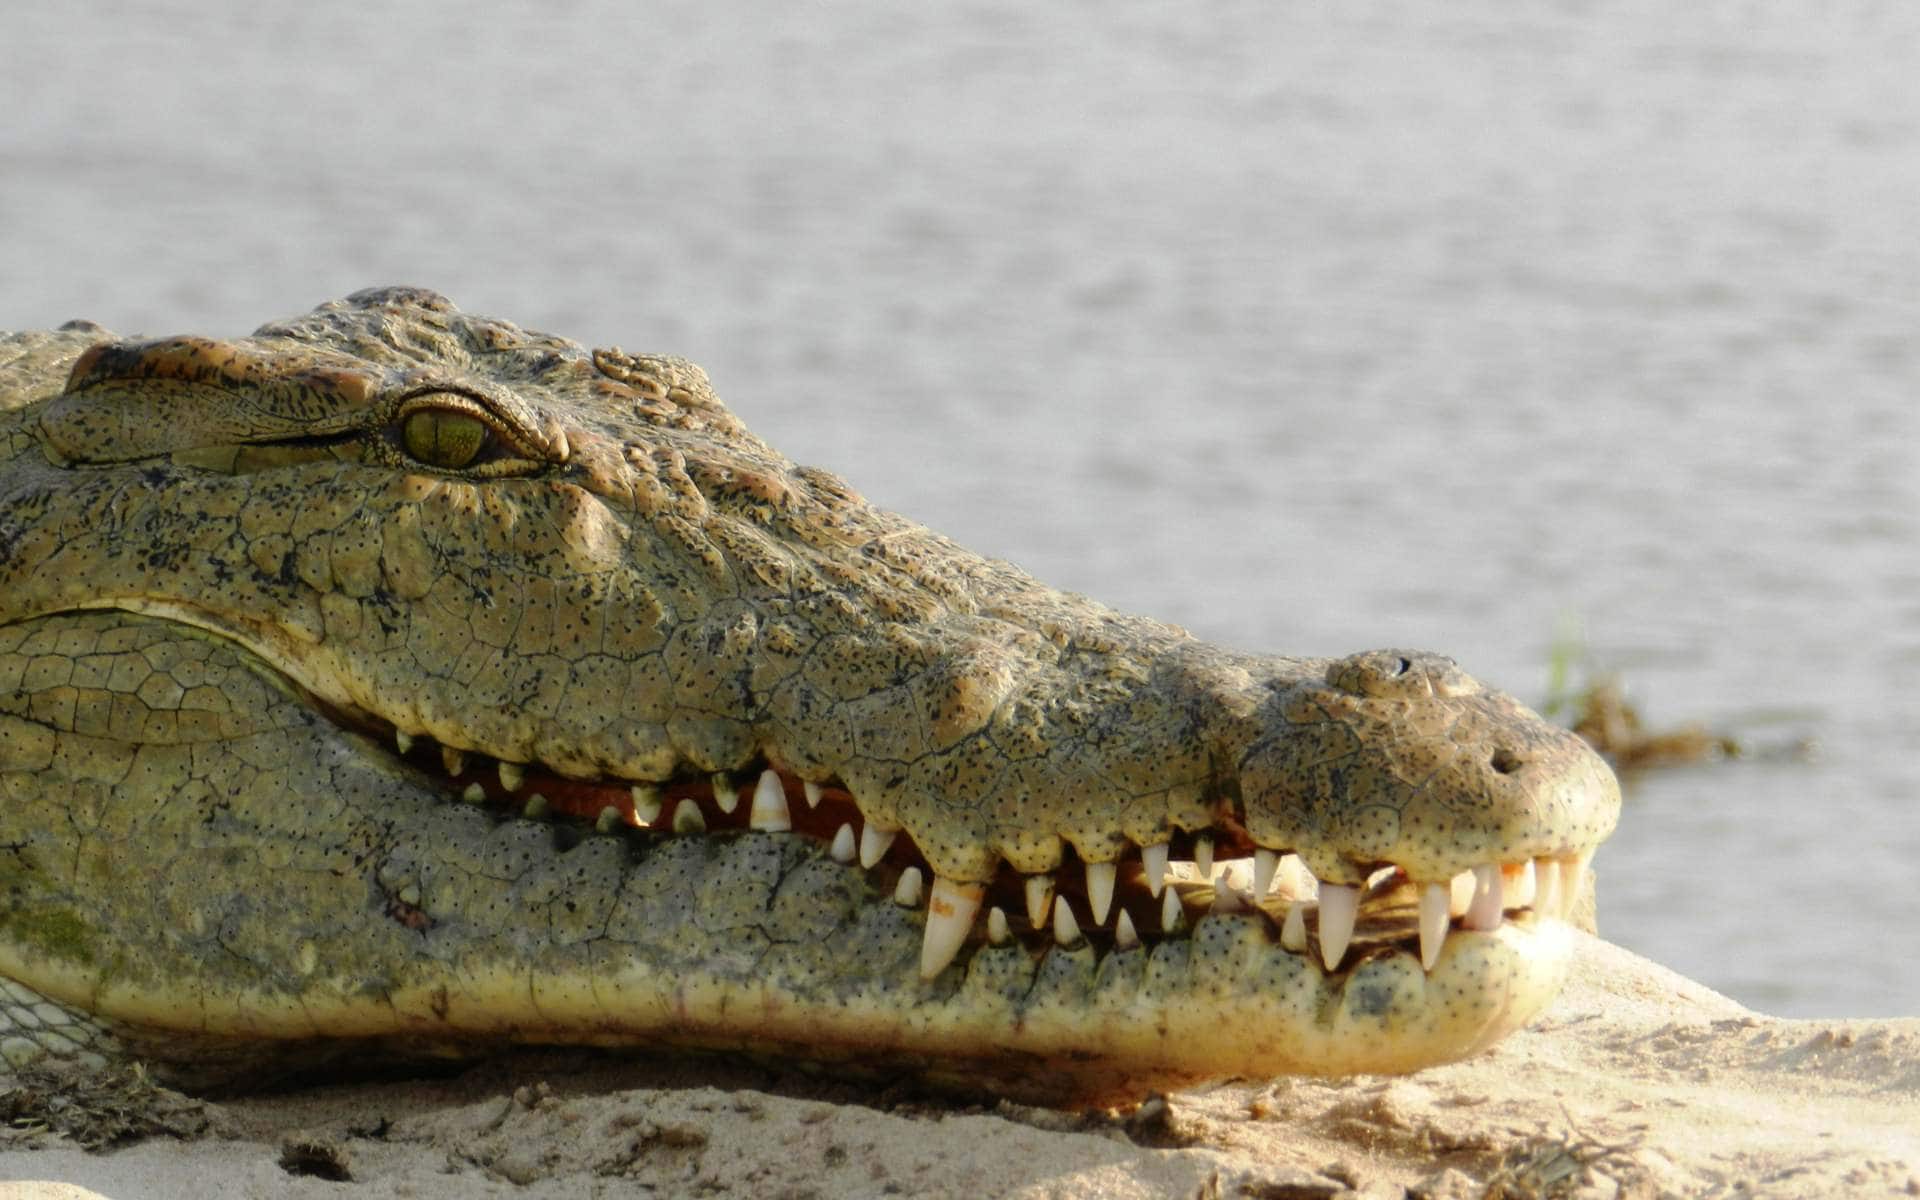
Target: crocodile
(396, 683)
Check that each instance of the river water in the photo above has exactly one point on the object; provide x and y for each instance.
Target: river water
(1313, 330)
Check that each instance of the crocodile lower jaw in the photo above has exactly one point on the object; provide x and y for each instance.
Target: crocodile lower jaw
(1071, 1026)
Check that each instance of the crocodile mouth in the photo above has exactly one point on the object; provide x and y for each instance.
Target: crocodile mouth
(1151, 894)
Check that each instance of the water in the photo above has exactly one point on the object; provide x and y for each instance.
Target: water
(1316, 330)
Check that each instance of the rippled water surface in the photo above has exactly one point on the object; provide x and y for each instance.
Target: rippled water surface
(1348, 328)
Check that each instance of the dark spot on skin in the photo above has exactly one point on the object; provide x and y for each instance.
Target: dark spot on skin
(409, 916)
(1369, 999)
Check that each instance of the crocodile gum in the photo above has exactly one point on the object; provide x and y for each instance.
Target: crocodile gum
(398, 682)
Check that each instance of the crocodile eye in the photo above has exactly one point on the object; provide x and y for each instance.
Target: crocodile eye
(443, 437)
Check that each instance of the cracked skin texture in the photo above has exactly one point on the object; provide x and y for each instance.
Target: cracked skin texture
(230, 571)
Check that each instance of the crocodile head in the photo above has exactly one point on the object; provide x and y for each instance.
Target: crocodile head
(401, 680)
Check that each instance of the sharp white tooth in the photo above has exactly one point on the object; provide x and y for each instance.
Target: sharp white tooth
(608, 820)
(512, 775)
(1434, 918)
(874, 842)
(1125, 937)
(1547, 900)
(402, 740)
(474, 794)
(1520, 884)
(951, 908)
(906, 893)
(1236, 876)
(1297, 883)
(1265, 864)
(1293, 931)
(812, 790)
(1100, 878)
(535, 807)
(687, 818)
(1066, 930)
(1154, 859)
(455, 761)
(1226, 897)
(997, 931)
(725, 794)
(1484, 913)
(1203, 856)
(1039, 899)
(1573, 881)
(646, 803)
(1339, 905)
(1460, 893)
(1173, 914)
(844, 850)
(769, 813)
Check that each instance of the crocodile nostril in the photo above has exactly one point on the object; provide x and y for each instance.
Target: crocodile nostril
(1506, 761)
(1401, 666)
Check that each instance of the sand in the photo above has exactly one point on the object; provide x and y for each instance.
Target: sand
(1638, 1082)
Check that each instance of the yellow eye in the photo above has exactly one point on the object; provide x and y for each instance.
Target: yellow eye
(442, 437)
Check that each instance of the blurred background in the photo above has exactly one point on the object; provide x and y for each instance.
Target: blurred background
(1455, 326)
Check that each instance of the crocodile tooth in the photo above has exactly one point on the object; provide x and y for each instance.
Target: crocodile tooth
(512, 775)
(1226, 897)
(1039, 899)
(906, 893)
(1265, 863)
(997, 931)
(1066, 930)
(769, 813)
(1154, 859)
(474, 794)
(1173, 914)
(1293, 931)
(843, 849)
(1100, 878)
(687, 818)
(402, 740)
(608, 820)
(1295, 880)
(1434, 917)
(1573, 880)
(1203, 856)
(646, 803)
(1238, 876)
(1124, 936)
(1484, 912)
(1339, 905)
(1546, 890)
(951, 908)
(812, 791)
(874, 842)
(535, 807)
(1460, 892)
(725, 794)
(454, 760)
(1520, 884)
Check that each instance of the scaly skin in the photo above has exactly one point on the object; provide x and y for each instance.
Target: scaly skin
(363, 685)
